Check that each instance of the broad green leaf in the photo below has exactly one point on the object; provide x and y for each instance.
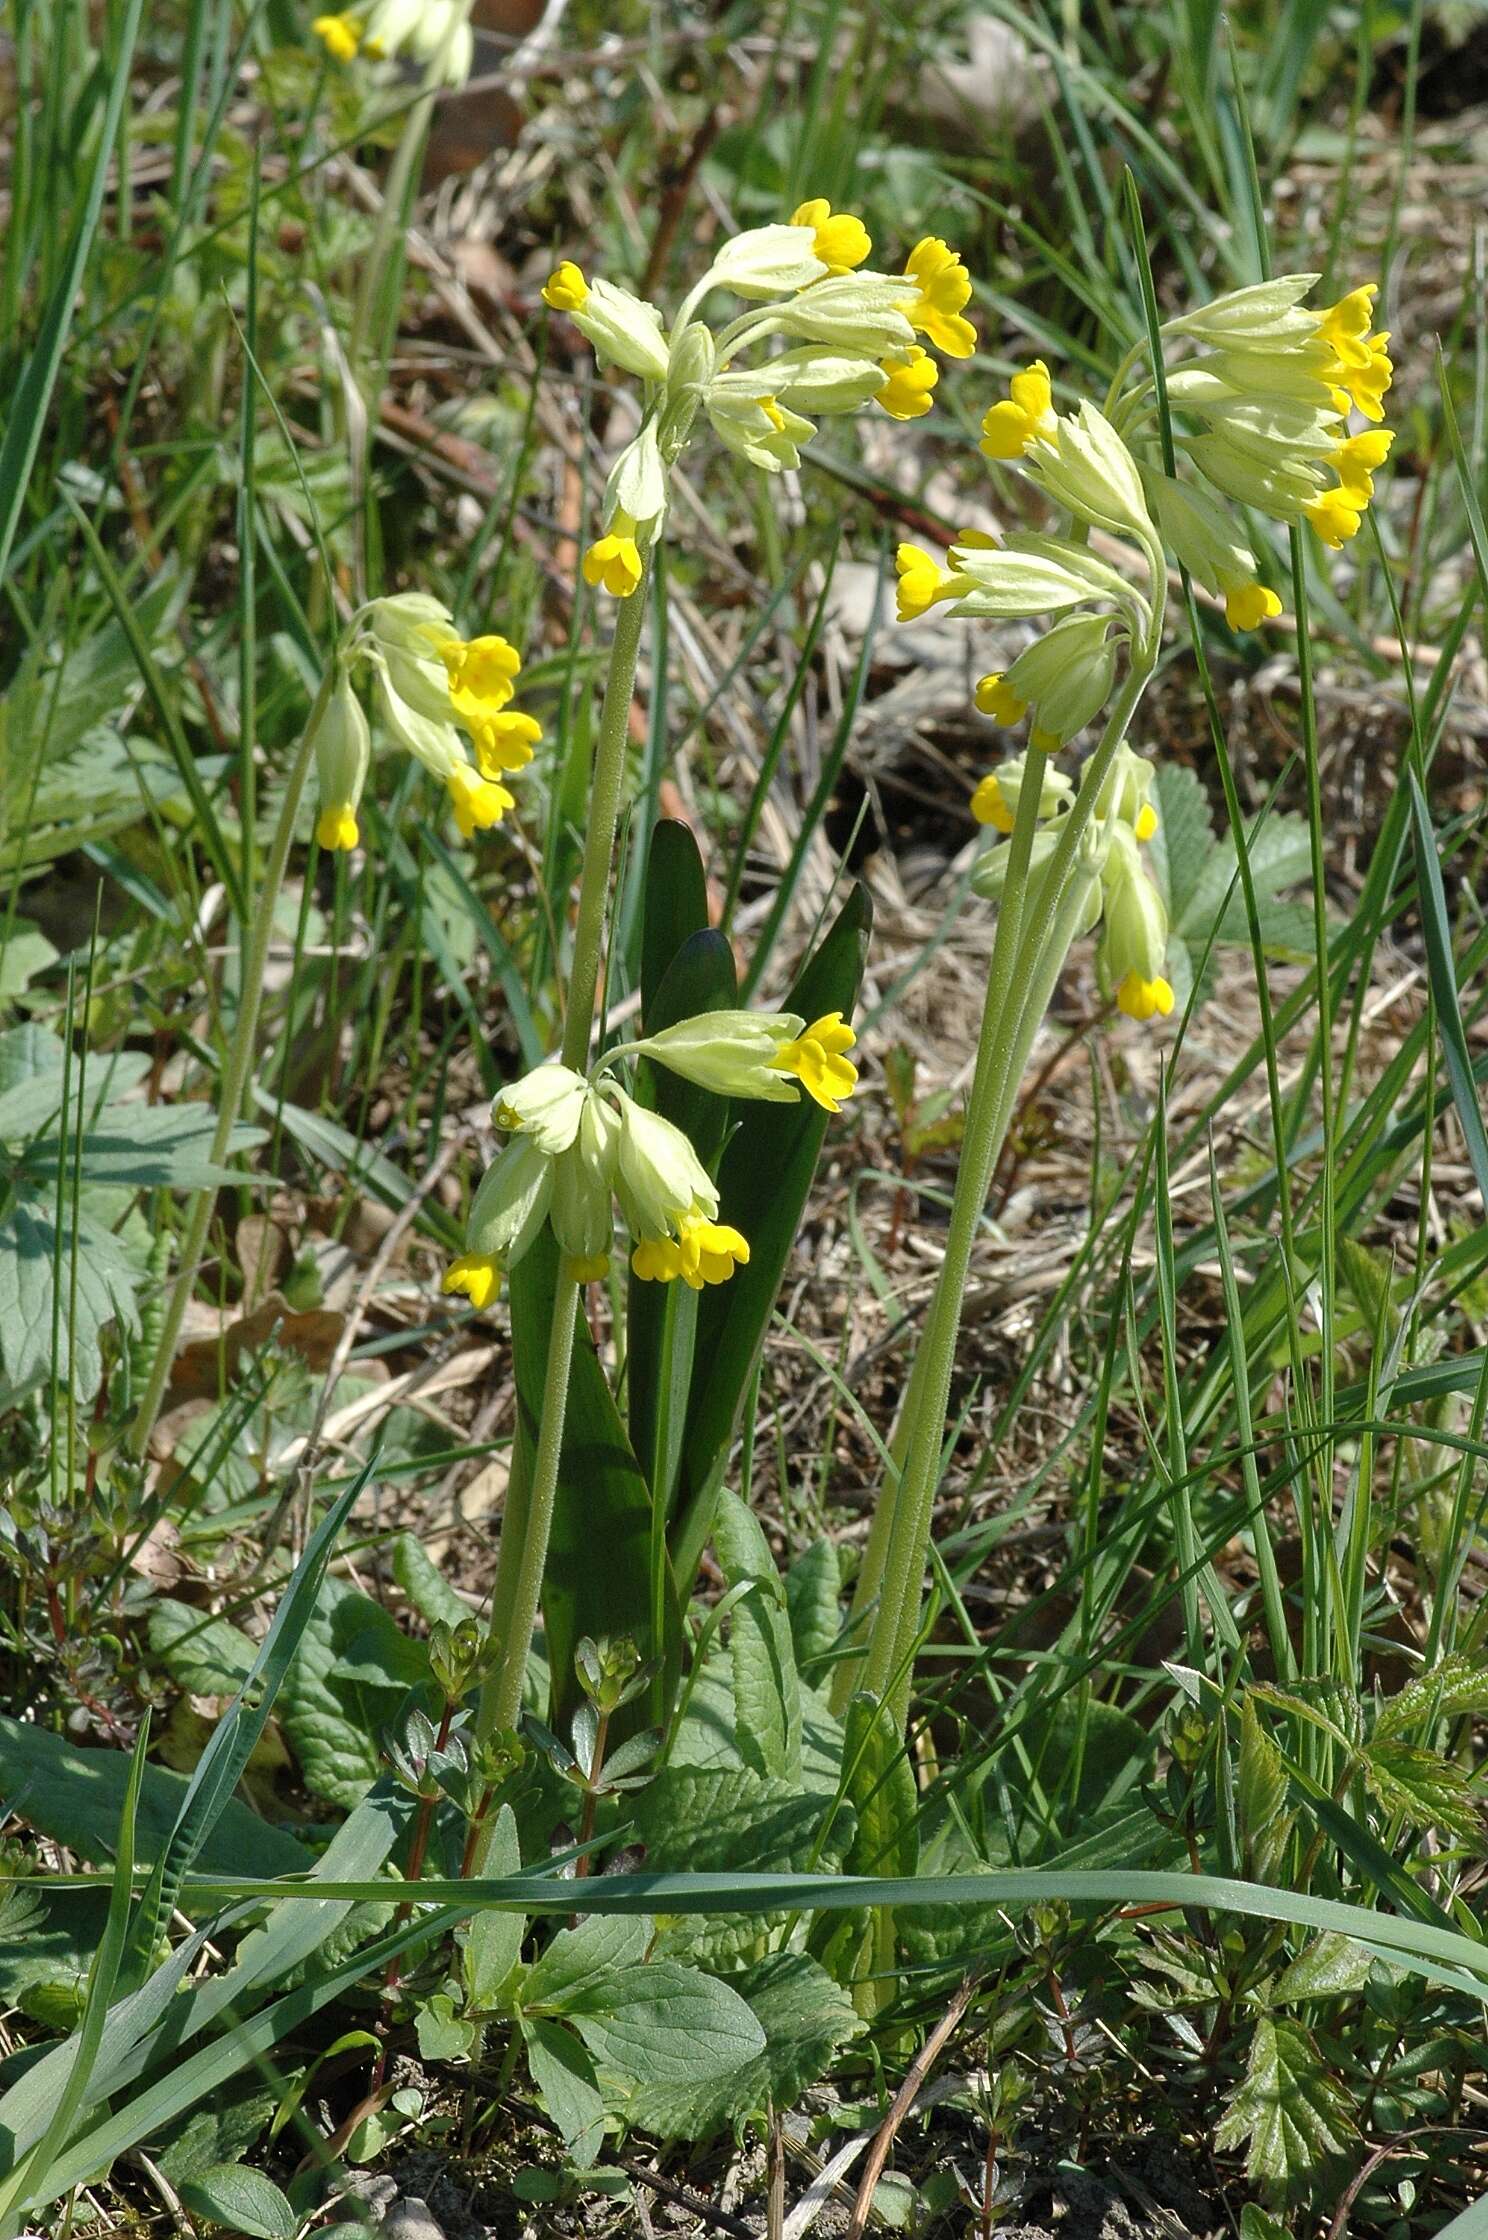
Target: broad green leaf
(27, 953)
(1288, 2114)
(424, 1583)
(205, 1655)
(74, 1796)
(30, 1250)
(767, 1693)
(564, 2076)
(812, 1598)
(804, 2016)
(693, 1818)
(221, 2133)
(579, 1957)
(341, 1690)
(763, 1182)
(443, 2035)
(663, 2023)
(880, 1787)
(676, 907)
(242, 2199)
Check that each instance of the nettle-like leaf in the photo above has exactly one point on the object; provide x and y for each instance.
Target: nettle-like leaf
(1458, 1684)
(1332, 1967)
(1265, 1823)
(1426, 1790)
(1196, 872)
(1288, 2113)
(805, 2018)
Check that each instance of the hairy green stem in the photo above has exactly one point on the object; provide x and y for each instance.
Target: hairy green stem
(524, 1552)
(234, 1078)
(1019, 982)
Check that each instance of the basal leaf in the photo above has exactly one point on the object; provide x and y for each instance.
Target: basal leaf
(1287, 2112)
(663, 2023)
(767, 1692)
(243, 2199)
(564, 2076)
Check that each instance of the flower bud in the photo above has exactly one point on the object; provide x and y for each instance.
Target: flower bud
(343, 749)
(1085, 467)
(995, 801)
(583, 1218)
(625, 330)
(546, 1104)
(1066, 675)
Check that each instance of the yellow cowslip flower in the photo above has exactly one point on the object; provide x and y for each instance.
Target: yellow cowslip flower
(989, 807)
(1144, 999)
(703, 1251)
(482, 670)
(478, 802)
(341, 36)
(477, 1275)
(944, 286)
(1364, 370)
(922, 581)
(587, 1267)
(343, 751)
(336, 827)
(1336, 516)
(1026, 413)
(996, 698)
(613, 563)
(565, 288)
(1247, 606)
(817, 1057)
(841, 240)
(911, 377)
(1146, 821)
(503, 743)
(1358, 458)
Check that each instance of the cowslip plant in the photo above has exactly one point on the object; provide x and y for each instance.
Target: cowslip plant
(1263, 389)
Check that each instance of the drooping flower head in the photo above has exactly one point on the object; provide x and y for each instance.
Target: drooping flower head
(435, 33)
(444, 699)
(579, 1148)
(819, 334)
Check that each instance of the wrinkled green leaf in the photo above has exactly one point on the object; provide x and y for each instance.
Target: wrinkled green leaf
(242, 2199)
(1287, 2112)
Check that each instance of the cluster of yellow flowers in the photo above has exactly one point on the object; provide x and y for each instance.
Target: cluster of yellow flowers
(577, 1146)
(849, 335)
(444, 699)
(435, 33)
(1114, 888)
(1261, 392)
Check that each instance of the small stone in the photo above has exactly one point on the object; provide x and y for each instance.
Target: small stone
(411, 2219)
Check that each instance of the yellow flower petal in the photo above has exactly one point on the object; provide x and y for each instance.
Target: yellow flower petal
(614, 564)
(475, 1274)
(1144, 999)
(566, 289)
(841, 240)
(336, 826)
(1247, 606)
(944, 287)
(912, 376)
(819, 1062)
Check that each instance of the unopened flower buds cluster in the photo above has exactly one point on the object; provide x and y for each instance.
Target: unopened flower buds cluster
(1112, 886)
(443, 698)
(820, 335)
(577, 1147)
(435, 33)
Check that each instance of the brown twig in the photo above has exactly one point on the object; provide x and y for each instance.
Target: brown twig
(919, 2069)
(669, 2190)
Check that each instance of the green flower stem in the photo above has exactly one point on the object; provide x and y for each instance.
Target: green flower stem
(234, 1079)
(1025, 961)
(525, 1530)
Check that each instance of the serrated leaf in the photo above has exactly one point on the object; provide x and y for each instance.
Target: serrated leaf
(1184, 835)
(1261, 1795)
(805, 2018)
(30, 1252)
(1330, 1968)
(564, 2076)
(1287, 2112)
(767, 1689)
(663, 2023)
(1427, 1790)
(233, 2195)
(1458, 1684)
